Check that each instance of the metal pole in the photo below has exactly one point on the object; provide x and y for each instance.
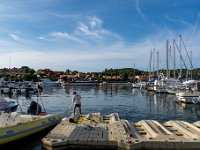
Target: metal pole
(174, 50)
(180, 56)
(153, 60)
(191, 65)
(169, 54)
(150, 61)
(167, 59)
(157, 63)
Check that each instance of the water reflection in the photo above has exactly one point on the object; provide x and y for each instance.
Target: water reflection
(132, 104)
(115, 88)
(190, 108)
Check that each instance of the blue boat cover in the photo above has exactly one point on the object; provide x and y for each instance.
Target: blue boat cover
(8, 106)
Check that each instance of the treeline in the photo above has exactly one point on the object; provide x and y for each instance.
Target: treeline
(123, 71)
(125, 74)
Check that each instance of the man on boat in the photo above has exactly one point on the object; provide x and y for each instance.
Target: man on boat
(76, 100)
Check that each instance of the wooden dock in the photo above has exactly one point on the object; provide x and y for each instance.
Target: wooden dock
(95, 131)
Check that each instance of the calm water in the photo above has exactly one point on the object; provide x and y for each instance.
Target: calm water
(131, 104)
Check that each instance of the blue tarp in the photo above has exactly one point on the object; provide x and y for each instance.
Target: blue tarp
(8, 106)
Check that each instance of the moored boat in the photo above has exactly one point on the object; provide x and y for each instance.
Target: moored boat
(188, 97)
(17, 125)
(80, 83)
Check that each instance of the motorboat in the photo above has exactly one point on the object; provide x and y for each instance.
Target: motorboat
(188, 97)
(140, 85)
(81, 83)
(17, 125)
(47, 83)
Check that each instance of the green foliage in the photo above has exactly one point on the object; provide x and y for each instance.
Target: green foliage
(68, 71)
(124, 72)
(26, 69)
(29, 77)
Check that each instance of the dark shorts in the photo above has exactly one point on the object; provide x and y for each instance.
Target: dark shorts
(77, 105)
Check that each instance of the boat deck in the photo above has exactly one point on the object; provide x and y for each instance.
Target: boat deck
(109, 132)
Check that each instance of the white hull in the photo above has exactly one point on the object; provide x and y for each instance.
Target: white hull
(80, 84)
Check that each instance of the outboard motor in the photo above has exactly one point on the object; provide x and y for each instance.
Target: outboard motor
(198, 86)
(34, 108)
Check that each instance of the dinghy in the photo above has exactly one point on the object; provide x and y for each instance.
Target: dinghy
(17, 125)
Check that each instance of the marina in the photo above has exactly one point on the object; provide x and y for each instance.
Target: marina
(133, 105)
(108, 74)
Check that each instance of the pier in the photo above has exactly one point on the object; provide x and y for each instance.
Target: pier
(95, 131)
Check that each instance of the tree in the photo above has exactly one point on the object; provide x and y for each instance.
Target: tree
(125, 77)
(26, 69)
(68, 71)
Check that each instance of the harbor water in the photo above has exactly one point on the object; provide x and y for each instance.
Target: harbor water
(131, 104)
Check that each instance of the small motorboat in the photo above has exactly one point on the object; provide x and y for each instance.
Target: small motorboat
(17, 125)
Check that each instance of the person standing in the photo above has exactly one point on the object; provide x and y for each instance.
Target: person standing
(76, 100)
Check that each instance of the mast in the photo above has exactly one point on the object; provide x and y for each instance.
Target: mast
(192, 37)
(191, 65)
(167, 59)
(150, 60)
(169, 54)
(174, 53)
(153, 61)
(157, 63)
(180, 56)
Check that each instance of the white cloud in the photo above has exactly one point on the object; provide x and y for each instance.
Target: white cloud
(14, 37)
(176, 20)
(137, 4)
(92, 29)
(88, 31)
(41, 38)
(84, 29)
(64, 35)
(95, 22)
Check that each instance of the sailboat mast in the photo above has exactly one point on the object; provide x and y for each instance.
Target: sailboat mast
(169, 54)
(180, 56)
(174, 53)
(150, 61)
(153, 60)
(157, 63)
(191, 69)
(167, 59)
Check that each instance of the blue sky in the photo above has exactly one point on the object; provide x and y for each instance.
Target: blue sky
(91, 35)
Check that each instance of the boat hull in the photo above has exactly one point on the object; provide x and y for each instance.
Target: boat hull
(21, 130)
(80, 84)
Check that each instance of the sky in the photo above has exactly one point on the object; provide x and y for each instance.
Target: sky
(91, 35)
